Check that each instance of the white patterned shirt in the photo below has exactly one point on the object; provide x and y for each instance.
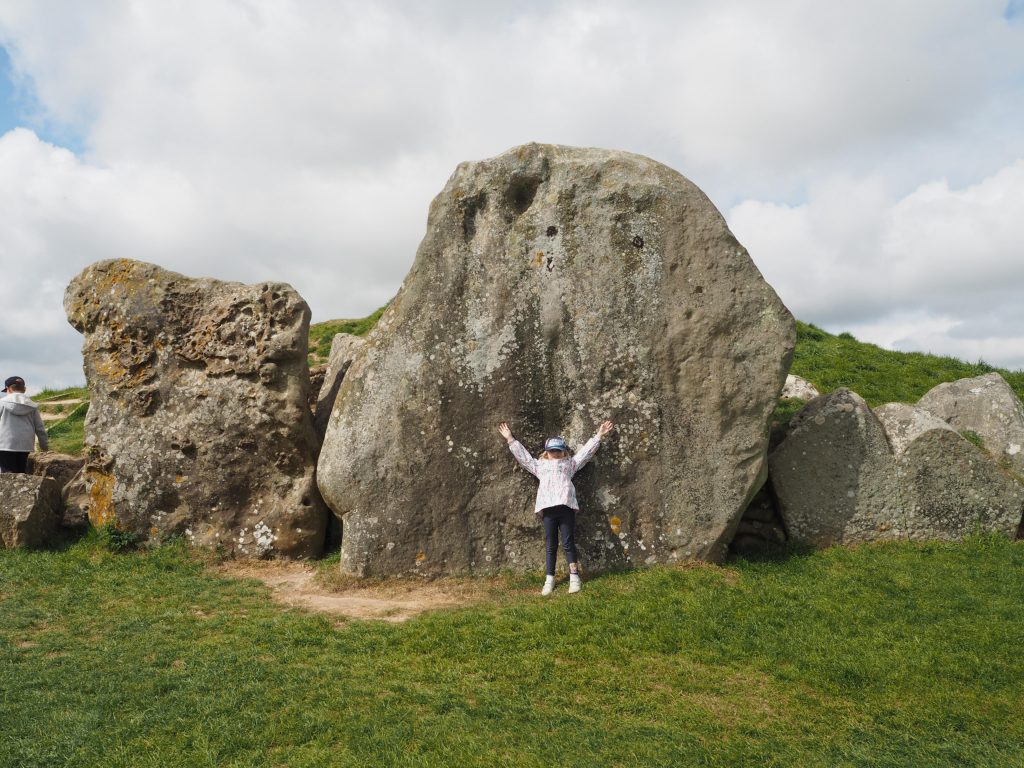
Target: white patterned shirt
(555, 475)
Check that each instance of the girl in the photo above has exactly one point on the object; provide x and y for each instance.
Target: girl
(556, 497)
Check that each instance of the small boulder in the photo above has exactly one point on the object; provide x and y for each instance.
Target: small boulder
(947, 488)
(834, 476)
(987, 406)
(30, 510)
(344, 347)
(62, 467)
(796, 387)
(67, 471)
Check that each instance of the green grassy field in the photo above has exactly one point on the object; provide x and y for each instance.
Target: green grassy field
(896, 655)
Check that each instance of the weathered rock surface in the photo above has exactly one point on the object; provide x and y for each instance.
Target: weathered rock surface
(947, 488)
(556, 287)
(67, 471)
(316, 383)
(344, 347)
(198, 422)
(986, 405)
(62, 467)
(846, 474)
(834, 474)
(30, 510)
(797, 387)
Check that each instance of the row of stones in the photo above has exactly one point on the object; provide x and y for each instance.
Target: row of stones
(947, 467)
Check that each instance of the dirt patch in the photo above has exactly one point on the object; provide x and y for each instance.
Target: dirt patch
(295, 584)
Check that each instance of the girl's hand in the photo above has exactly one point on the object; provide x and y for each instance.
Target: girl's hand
(505, 431)
(605, 428)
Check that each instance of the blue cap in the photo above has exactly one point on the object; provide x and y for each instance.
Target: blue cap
(555, 444)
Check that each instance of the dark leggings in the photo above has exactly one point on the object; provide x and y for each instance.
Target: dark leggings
(13, 461)
(559, 519)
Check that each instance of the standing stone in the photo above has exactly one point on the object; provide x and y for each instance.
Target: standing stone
(986, 405)
(198, 421)
(30, 510)
(834, 475)
(557, 287)
(947, 488)
(344, 347)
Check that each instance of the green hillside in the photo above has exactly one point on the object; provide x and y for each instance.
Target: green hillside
(321, 334)
(879, 375)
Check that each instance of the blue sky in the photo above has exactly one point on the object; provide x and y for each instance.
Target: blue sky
(878, 194)
(20, 109)
(10, 116)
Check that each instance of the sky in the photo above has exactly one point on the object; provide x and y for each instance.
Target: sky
(870, 155)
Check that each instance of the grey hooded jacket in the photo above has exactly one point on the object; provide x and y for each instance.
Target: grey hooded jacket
(20, 424)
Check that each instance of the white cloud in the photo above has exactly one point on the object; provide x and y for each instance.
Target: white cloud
(258, 139)
(939, 270)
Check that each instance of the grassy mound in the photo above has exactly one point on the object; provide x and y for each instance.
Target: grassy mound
(321, 334)
(895, 655)
(879, 375)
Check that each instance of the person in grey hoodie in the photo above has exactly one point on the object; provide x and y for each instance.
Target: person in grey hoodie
(20, 425)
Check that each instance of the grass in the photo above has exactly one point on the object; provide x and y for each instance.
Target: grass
(68, 434)
(894, 655)
(67, 393)
(321, 334)
(879, 375)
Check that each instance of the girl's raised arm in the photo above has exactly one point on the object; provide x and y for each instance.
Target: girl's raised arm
(526, 461)
(590, 448)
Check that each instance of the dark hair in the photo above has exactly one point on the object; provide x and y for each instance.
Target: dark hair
(14, 381)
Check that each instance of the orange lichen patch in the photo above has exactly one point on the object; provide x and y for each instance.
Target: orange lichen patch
(101, 497)
(538, 259)
(114, 371)
(615, 524)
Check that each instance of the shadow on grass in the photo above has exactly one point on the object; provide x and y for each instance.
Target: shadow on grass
(772, 553)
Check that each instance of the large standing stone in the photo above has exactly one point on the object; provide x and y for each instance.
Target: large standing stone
(834, 475)
(30, 510)
(556, 287)
(198, 421)
(948, 489)
(344, 347)
(986, 405)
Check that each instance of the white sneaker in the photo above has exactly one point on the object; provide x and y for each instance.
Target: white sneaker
(549, 585)
(575, 585)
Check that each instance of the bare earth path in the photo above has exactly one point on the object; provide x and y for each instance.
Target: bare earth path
(63, 414)
(295, 584)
